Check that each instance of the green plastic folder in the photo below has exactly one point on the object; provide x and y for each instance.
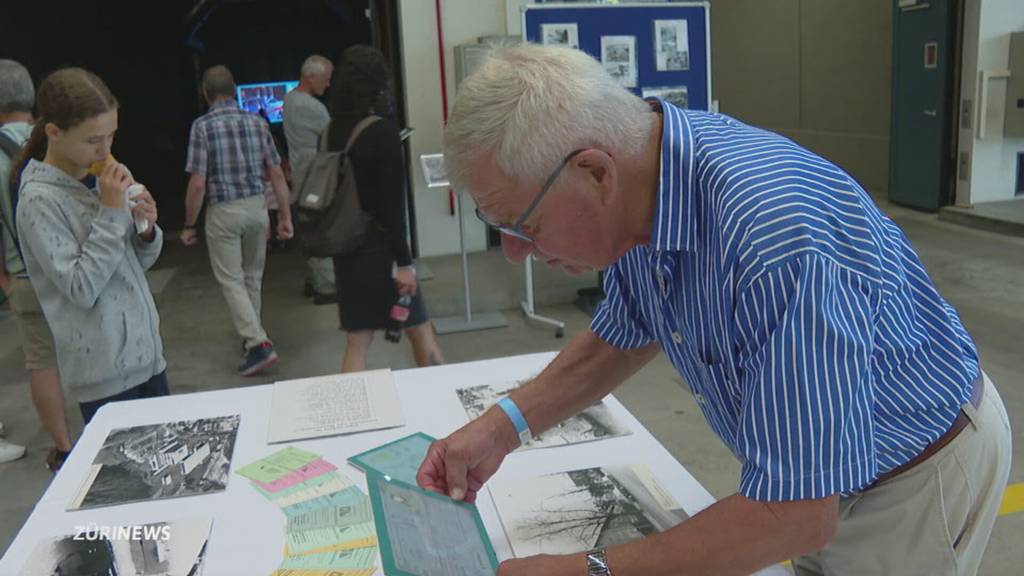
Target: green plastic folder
(421, 533)
(400, 459)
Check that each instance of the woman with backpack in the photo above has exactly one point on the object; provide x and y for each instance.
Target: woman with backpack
(83, 249)
(373, 279)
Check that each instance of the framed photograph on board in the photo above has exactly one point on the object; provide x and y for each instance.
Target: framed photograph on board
(678, 96)
(567, 34)
(618, 56)
(671, 45)
(433, 170)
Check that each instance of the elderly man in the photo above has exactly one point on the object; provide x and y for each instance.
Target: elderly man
(305, 118)
(803, 322)
(17, 97)
(227, 154)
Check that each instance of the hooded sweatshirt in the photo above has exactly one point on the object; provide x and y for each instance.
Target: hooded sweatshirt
(87, 266)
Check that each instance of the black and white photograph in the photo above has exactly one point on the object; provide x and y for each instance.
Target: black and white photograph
(567, 34)
(163, 549)
(571, 512)
(594, 423)
(159, 461)
(433, 170)
(671, 45)
(678, 96)
(618, 56)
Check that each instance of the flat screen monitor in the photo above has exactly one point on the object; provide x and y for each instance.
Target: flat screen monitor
(266, 96)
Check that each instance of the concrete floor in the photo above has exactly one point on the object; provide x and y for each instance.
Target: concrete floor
(982, 274)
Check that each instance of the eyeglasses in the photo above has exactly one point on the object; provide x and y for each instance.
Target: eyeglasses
(515, 229)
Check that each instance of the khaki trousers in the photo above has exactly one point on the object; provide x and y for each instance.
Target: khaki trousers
(932, 520)
(236, 236)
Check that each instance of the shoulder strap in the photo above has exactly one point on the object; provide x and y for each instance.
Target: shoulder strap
(12, 149)
(363, 125)
(9, 146)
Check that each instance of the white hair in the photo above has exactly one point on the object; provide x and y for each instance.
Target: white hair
(529, 106)
(17, 93)
(315, 65)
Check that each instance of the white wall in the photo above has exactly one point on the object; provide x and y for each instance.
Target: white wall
(463, 21)
(987, 28)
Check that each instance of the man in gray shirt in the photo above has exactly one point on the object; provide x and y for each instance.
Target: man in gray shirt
(305, 118)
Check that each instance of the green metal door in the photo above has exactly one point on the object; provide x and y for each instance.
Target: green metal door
(922, 110)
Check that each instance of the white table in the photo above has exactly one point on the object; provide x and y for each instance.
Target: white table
(248, 531)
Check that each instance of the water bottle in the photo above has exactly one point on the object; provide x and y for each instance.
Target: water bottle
(397, 317)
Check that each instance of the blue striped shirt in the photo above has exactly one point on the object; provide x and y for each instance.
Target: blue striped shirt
(231, 147)
(804, 323)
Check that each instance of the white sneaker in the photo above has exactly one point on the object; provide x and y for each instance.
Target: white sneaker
(10, 452)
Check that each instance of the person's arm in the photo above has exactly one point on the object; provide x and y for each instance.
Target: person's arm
(735, 536)
(195, 192)
(272, 163)
(149, 244)
(194, 196)
(389, 203)
(281, 193)
(583, 373)
(80, 271)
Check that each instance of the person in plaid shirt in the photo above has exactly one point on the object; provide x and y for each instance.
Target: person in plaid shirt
(227, 153)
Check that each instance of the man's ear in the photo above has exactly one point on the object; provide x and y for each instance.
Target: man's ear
(598, 167)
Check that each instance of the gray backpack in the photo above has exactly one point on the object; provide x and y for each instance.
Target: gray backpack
(329, 220)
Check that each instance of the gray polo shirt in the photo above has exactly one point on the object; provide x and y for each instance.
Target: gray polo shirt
(305, 118)
(19, 132)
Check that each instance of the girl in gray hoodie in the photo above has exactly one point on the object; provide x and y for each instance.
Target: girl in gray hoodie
(83, 254)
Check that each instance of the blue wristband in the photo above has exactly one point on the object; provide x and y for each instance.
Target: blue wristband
(516, 416)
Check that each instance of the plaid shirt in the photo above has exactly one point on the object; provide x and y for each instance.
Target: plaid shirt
(231, 147)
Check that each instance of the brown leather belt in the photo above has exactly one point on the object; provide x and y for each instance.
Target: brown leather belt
(961, 422)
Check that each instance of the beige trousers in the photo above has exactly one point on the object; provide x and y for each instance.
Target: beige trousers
(932, 520)
(236, 236)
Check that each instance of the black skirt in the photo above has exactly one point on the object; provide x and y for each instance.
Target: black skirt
(366, 290)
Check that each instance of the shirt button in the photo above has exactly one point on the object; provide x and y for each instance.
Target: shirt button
(700, 398)
(677, 337)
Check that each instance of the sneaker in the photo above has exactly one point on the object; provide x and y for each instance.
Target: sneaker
(320, 299)
(10, 452)
(258, 359)
(55, 459)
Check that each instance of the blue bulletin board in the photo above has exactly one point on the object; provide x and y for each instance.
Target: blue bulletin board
(669, 54)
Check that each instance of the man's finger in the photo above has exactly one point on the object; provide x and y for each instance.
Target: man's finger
(455, 473)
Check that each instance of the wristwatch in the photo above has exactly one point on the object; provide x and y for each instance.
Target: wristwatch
(597, 563)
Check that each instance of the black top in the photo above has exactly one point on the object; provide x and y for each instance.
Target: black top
(379, 166)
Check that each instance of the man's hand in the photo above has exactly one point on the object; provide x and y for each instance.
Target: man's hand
(284, 228)
(145, 208)
(5, 281)
(189, 237)
(459, 465)
(544, 565)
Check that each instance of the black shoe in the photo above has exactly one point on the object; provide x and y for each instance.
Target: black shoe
(258, 359)
(324, 299)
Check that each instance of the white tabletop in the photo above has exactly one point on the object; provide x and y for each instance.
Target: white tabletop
(248, 531)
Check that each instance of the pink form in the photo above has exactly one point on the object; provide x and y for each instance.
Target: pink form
(311, 470)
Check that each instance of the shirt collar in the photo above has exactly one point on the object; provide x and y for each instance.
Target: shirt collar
(675, 226)
(220, 104)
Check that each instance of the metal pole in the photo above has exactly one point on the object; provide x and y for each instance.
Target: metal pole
(465, 262)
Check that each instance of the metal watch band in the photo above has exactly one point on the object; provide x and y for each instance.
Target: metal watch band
(597, 563)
